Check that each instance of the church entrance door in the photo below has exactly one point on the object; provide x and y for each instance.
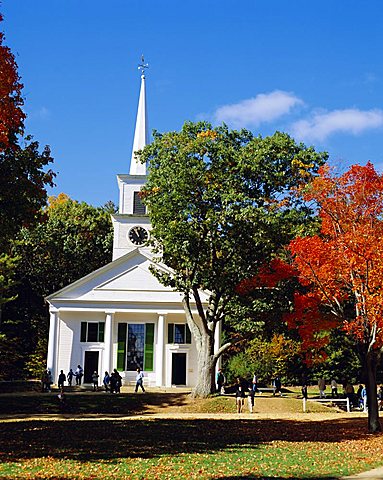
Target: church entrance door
(179, 369)
(90, 365)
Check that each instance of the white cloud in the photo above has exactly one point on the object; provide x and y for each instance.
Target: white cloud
(265, 107)
(42, 113)
(351, 120)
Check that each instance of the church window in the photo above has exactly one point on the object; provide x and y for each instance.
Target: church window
(135, 347)
(92, 331)
(178, 333)
(138, 207)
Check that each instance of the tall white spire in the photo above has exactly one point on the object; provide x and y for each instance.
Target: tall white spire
(141, 135)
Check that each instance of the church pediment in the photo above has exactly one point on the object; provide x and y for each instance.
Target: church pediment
(137, 278)
(126, 280)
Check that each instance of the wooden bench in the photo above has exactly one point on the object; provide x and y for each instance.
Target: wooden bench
(327, 400)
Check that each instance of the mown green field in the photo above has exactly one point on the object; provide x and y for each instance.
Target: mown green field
(93, 445)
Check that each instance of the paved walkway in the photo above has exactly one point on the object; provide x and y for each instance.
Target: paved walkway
(375, 474)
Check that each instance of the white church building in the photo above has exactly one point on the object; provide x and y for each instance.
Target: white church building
(120, 316)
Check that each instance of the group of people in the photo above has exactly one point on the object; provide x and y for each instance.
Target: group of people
(77, 374)
(357, 399)
(111, 382)
(243, 387)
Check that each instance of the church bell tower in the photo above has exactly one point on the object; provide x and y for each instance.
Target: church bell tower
(132, 224)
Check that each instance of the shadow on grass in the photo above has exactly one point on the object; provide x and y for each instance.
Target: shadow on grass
(86, 440)
(88, 403)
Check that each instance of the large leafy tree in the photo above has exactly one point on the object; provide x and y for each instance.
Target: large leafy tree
(343, 266)
(219, 208)
(71, 240)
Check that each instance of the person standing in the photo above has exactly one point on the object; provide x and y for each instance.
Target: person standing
(44, 381)
(61, 380)
(49, 380)
(112, 383)
(117, 381)
(139, 380)
(277, 386)
(380, 397)
(106, 381)
(79, 374)
(334, 388)
(95, 376)
(322, 387)
(350, 393)
(220, 381)
(255, 383)
(240, 394)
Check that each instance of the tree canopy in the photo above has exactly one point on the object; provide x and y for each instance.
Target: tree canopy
(71, 240)
(342, 267)
(220, 206)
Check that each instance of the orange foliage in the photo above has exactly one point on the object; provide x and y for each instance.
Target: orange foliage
(54, 202)
(11, 115)
(269, 275)
(345, 261)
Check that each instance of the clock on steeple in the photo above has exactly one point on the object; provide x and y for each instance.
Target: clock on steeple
(138, 235)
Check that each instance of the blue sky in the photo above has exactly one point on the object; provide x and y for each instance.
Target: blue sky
(311, 68)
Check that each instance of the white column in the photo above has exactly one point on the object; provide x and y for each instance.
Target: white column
(160, 349)
(108, 339)
(52, 342)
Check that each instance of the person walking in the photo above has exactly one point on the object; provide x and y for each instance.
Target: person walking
(69, 377)
(61, 380)
(139, 380)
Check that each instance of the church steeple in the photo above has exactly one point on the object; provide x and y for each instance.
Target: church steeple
(132, 223)
(141, 135)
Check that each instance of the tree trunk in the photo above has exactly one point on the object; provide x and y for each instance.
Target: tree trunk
(370, 362)
(206, 367)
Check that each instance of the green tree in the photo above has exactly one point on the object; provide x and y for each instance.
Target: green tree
(70, 241)
(219, 206)
(267, 358)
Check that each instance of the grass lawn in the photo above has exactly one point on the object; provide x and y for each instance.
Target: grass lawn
(76, 445)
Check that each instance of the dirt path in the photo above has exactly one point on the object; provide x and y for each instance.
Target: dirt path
(181, 405)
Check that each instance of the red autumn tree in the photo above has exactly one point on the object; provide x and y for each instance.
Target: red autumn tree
(343, 265)
(11, 115)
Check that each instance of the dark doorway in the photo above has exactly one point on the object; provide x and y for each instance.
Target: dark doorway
(90, 365)
(179, 369)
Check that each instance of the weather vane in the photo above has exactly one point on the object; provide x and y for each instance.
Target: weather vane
(143, 66)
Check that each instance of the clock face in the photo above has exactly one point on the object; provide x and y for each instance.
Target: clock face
(138, 235)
